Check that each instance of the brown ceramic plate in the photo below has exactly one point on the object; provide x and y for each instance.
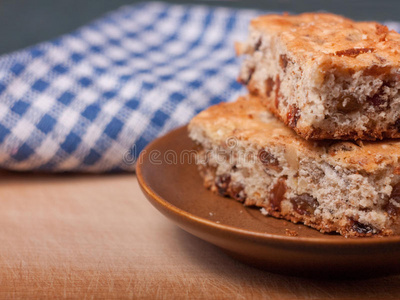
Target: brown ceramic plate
(170, 180)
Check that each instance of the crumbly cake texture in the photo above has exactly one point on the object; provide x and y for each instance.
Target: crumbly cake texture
(247, 154)
(325, 76)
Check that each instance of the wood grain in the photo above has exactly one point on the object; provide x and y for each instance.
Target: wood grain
(96, 236)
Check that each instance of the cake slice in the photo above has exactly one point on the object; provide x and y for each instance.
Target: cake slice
(325, 76)
(345, 187)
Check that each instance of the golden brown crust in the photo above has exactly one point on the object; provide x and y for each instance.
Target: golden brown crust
(326, 76)
(247, 119)
(333, 41)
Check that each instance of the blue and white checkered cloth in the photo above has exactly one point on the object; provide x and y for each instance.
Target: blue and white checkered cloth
(91, 100)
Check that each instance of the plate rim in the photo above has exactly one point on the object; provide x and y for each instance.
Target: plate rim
(152, 195)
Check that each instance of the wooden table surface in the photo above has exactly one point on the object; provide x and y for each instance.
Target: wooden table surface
(96, 236)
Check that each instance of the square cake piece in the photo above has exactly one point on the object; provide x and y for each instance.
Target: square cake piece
(325, 76)
(247, 154)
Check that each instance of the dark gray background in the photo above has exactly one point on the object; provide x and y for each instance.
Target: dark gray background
(26, 22)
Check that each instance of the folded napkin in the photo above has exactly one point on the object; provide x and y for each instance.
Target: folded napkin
(91, 100)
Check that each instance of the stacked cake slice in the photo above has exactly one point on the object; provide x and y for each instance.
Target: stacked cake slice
(301, 145)
(325, 76)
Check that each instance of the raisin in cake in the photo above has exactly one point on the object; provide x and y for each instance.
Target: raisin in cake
(325, 76)
(249, 155)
